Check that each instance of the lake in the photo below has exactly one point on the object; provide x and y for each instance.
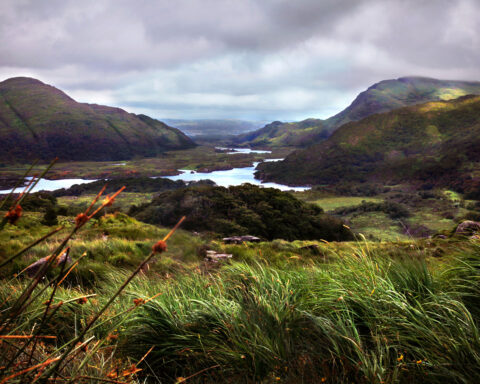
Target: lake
(50, 185)
(235, 176)
(234, 151)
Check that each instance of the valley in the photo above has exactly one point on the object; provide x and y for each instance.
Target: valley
(369, 220)
(240, 192)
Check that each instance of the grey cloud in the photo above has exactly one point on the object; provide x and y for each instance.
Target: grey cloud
(238, 59)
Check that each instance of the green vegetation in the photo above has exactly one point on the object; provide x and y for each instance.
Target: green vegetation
(278, 134)
(200, 158)
(247, 209)
(393, 147)
(112, 240)
(426, 212)
(315, 302)
(133, 184)
(331, 203)
(40, 121)
(366, 319)
(382, 97)
(277, 312)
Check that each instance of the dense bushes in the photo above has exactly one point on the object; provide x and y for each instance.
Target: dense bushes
(36, 202)
(346, 188)
(265, 212)
(133, 184)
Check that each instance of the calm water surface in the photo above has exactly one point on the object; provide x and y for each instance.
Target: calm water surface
(234, 151)
(50, 185)
(235, 176)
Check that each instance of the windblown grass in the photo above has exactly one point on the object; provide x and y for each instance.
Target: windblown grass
(293, 312)
(358, 312)
(25, 357)
(365, 318)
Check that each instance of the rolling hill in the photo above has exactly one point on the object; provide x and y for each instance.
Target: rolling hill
(278, 134)
(40, 121)
(384, 96)
(435, 142)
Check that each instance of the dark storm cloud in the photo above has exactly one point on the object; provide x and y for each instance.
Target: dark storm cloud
(264, 59)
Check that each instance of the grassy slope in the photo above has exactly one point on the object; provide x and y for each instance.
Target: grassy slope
(40, 121)
(350, 312)
(431, 140)
(427, 212)
(278, 134)
(381, 97)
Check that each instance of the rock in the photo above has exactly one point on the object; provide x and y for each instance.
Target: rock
(468, 228)
(241, 239)
(33, 268)
(214, 257)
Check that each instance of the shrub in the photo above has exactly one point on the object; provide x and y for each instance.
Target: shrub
(247, 209)
(50, 216)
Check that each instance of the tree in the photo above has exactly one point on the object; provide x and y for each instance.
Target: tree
(50, 216)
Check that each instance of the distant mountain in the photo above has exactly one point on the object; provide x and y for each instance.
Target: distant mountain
(40, 121)
(381, 97)
(278, 134)
(218, 128)
(436, 142)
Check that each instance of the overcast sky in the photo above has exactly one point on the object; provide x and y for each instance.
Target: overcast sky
(244, 59)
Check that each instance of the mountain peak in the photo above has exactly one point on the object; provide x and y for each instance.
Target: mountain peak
(21, 80)
(432, 141)
(40, 121)
(384, 96)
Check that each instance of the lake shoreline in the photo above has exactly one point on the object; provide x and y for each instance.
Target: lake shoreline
(232, 166)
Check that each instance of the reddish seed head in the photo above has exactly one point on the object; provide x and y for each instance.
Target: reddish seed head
(81, 219)
(14, 214)
(138, 302)
(159, 247)
(82, 300)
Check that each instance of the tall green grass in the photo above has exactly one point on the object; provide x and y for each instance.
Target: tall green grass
(364, 318)
(339, 313)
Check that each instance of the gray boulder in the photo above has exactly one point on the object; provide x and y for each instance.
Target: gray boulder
(468, 228)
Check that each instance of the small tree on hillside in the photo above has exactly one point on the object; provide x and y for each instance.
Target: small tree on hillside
(50, 216)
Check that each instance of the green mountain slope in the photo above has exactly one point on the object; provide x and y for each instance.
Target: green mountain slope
(435, 142)
(278, 134)
(384, 96)
(40, 121)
